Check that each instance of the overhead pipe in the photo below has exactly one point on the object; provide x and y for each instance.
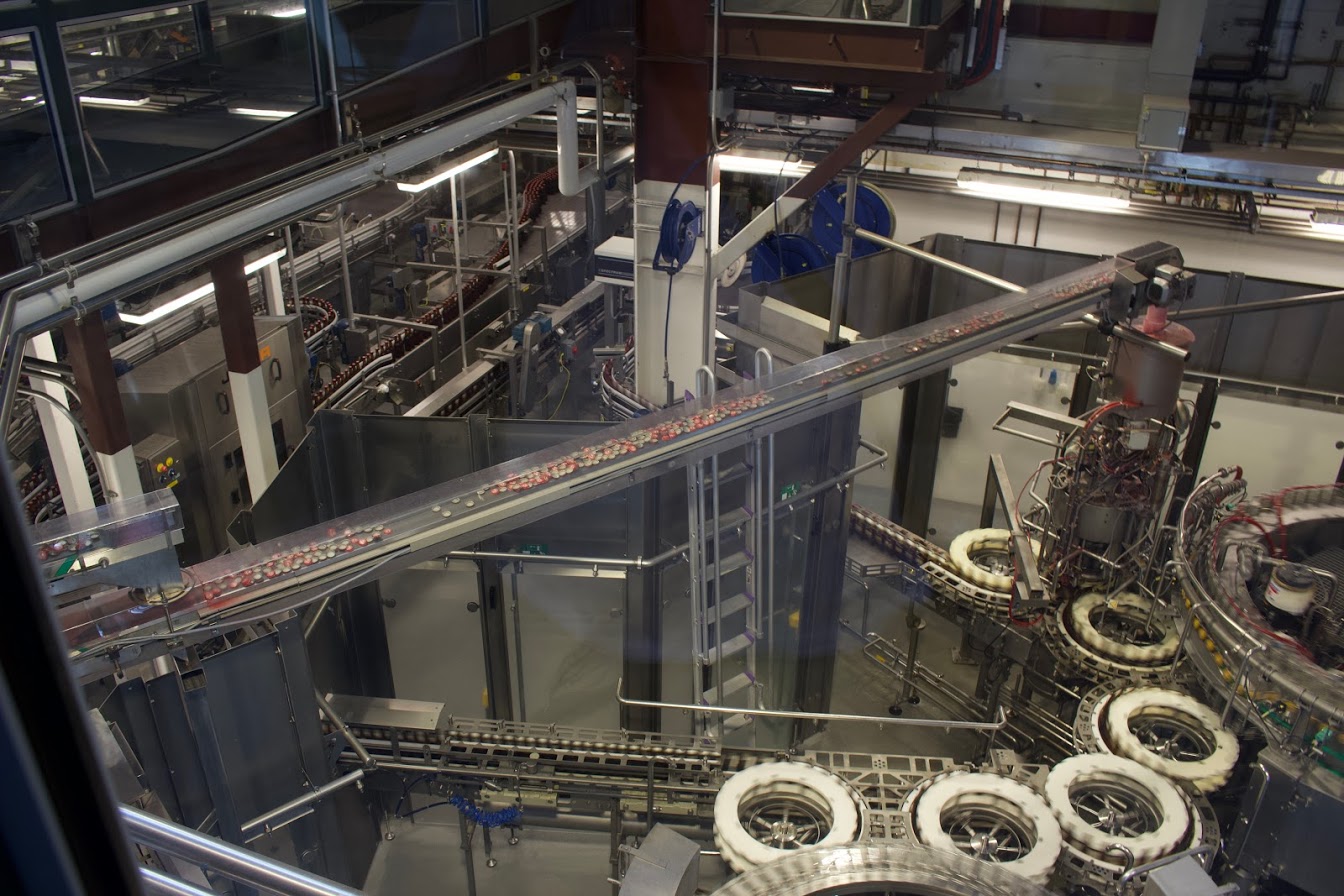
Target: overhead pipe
(99, 286)
(573, 179)
(68, 293)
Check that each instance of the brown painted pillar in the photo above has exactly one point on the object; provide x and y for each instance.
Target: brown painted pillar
(247, 383)
(101, 407)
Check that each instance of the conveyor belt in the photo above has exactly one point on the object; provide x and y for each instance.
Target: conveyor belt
(374, 542)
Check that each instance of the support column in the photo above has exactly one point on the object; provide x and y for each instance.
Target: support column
(670, 345)
(63, 444)
(672, 132)
(247, 383)
(272, 287)
(104, 416)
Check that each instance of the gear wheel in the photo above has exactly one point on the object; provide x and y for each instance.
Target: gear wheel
(988, 817)
(1170, 733)
(1128, 638)
(984, 557)
(766, 812)
(894, 868)
(1104, 802)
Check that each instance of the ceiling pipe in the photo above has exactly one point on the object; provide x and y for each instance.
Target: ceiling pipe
(72, 292)
(88, 290)
(574, 180)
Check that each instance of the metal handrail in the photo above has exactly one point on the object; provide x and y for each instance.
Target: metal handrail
(231, 861)
(998, 724)
(263, 823)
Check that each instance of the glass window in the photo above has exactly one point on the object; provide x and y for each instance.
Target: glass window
(899, 12)
(373, 39)
(30, 173)
(161, 86)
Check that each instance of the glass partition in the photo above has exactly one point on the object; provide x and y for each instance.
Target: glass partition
(158, 87)
(890, 12)
(374, 39)
(30, 173)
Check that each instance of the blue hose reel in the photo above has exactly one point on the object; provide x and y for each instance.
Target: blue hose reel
(828, 219)
(682, 222)
(782, 255)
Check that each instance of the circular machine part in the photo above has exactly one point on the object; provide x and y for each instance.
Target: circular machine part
(873, 213)
(1103, 801)
(1078, 871)
(983, 557)
(785, 255)
(1120, 628)
(768, 811)
(987, 817)
(1121, 642)
(899, 869)
(1171, 733)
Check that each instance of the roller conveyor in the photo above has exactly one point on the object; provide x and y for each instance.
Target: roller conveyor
(340, 554)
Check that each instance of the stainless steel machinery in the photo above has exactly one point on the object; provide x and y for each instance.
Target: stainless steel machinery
(178, 406)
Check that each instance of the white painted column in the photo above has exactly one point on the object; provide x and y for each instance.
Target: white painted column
(120, 476)
(685, 328)
(63, 443)
(253, 413)
(272, 288)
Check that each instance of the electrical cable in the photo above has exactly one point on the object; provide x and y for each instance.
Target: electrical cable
(676, 243)
(568, 376)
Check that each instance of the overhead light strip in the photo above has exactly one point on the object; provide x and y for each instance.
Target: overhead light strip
(1053, 192)
(758, 165)
(195, 295)
(441, 176)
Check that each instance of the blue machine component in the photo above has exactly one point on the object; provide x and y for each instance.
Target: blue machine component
(783, 255)
(676, 238)
(538, 317)
(420, 232)
(500, 818)
(828, 219)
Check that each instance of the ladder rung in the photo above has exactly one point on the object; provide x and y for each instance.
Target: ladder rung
(730, 564)
(737, 721)
(726, 474)
(734, 604)
(732, 647)
(733, 686)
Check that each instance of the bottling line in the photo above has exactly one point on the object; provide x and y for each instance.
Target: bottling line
(484, 505)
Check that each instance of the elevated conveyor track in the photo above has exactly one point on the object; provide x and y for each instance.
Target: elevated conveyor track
(322, 560)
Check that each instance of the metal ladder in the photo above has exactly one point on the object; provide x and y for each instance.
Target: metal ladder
(731, 577)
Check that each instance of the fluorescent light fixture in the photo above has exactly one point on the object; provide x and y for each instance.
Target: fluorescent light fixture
(1328, 222)
(263, 112)
(95, 52)
(1055, 192)
(196, 294)
(808, 88)
(253, 266)
(28, 99)
(291, 13)
(168, 308)
(446, 173)
(89, 99)
(757, 165)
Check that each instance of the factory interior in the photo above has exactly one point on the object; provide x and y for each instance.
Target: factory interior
(394, 389)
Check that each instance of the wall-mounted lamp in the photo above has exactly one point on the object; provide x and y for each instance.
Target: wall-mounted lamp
(1055, 192)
